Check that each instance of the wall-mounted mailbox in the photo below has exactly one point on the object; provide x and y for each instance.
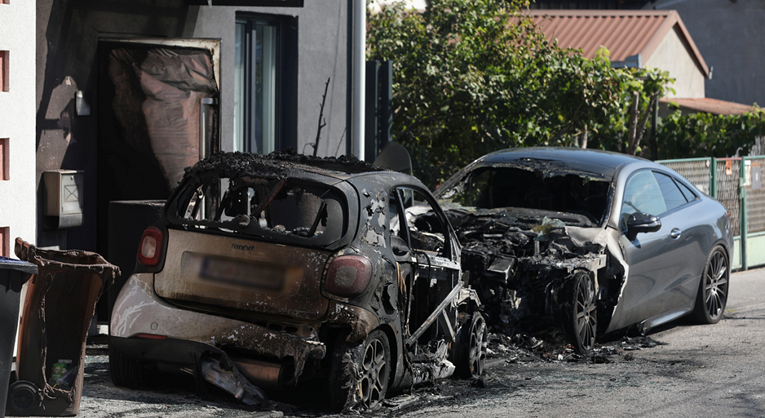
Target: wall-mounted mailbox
(65, 197)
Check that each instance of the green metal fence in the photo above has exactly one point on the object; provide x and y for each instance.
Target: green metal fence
(736, 183)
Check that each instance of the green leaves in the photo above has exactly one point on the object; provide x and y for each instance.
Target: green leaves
(707, 135)
(475, 76)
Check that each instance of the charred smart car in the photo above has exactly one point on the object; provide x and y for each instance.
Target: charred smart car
(587, 241)
(271, 270)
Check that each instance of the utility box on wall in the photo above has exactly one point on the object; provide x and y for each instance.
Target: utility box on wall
(64, 194)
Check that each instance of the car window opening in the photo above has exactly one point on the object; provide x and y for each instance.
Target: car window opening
(256, 206)
(509, 187)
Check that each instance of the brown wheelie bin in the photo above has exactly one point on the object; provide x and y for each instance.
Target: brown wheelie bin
(60, 303)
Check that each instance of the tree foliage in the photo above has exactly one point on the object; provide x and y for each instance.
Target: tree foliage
(707, 135)
(475, 76)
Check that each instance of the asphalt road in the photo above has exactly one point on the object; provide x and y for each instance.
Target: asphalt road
(694, 371)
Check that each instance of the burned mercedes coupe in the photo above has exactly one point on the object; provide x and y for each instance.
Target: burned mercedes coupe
(286, 268)
(587, 242)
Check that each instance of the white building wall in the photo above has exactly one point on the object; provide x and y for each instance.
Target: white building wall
(674, 56)
(17, 121)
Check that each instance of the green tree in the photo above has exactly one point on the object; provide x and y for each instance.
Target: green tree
(474, 76)
(626, 129)
(707, 135)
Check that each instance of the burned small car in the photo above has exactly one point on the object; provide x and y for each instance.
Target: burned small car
(270, 270)
(587, 242)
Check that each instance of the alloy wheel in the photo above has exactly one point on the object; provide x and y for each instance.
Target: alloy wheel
(716, 285)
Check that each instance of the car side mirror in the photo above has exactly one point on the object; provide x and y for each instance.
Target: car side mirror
(399, 247)
(642, 222)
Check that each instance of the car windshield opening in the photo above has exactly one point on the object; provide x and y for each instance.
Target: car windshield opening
(508, 187)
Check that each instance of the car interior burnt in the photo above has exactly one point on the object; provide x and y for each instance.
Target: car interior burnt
(265, 207)
(285, 270)
(510, 187)
(419, 296)
(431, 324)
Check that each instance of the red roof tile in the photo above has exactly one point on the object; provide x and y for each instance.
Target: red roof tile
(624, 32)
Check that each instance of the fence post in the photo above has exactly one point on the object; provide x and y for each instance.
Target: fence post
(743, 230)
(713, 177)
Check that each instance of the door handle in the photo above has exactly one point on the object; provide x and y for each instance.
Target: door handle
(675, 234)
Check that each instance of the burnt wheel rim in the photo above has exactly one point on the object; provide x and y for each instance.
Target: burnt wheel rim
(374, 374)
(716, 285)
(476, 354)
(586, 318)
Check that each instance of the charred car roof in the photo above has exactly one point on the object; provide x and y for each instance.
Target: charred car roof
(277, 164)
(602, 164)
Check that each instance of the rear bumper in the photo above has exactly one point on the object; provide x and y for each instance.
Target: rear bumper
(185, 335)
(167, 351)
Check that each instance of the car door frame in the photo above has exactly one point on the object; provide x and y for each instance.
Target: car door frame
(648, 298)
(441, 271)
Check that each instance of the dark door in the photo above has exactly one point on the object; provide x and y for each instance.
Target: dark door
(156, 115)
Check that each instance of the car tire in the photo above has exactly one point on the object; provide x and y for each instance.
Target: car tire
(469, 355)
(360, 373)
(712, 295)
(580, 319)
(124, 371)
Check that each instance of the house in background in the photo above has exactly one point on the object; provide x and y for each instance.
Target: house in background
(641, 39)
(635, 38)
(131, 91)
(731, 36)
(728, 33)
(116, 97)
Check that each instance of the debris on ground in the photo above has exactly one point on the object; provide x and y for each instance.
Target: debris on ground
(523, 348)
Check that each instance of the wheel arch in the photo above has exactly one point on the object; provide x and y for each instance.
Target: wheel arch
(395, 345)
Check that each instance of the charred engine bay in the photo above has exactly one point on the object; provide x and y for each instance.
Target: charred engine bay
(519, 267)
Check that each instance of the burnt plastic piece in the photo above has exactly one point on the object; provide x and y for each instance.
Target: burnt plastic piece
(13, 275)
(60, 303)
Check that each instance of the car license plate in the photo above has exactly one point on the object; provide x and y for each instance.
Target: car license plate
(241, 273)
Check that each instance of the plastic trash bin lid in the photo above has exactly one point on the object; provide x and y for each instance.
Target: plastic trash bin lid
(7, 263)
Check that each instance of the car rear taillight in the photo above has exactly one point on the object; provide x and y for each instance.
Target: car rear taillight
(348, 275)
(150, 249)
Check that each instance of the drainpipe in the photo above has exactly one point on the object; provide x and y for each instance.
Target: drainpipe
(359, 76)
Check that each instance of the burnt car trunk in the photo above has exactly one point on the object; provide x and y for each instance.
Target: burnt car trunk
(245, 279)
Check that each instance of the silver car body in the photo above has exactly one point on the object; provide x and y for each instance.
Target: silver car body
(648, 279)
